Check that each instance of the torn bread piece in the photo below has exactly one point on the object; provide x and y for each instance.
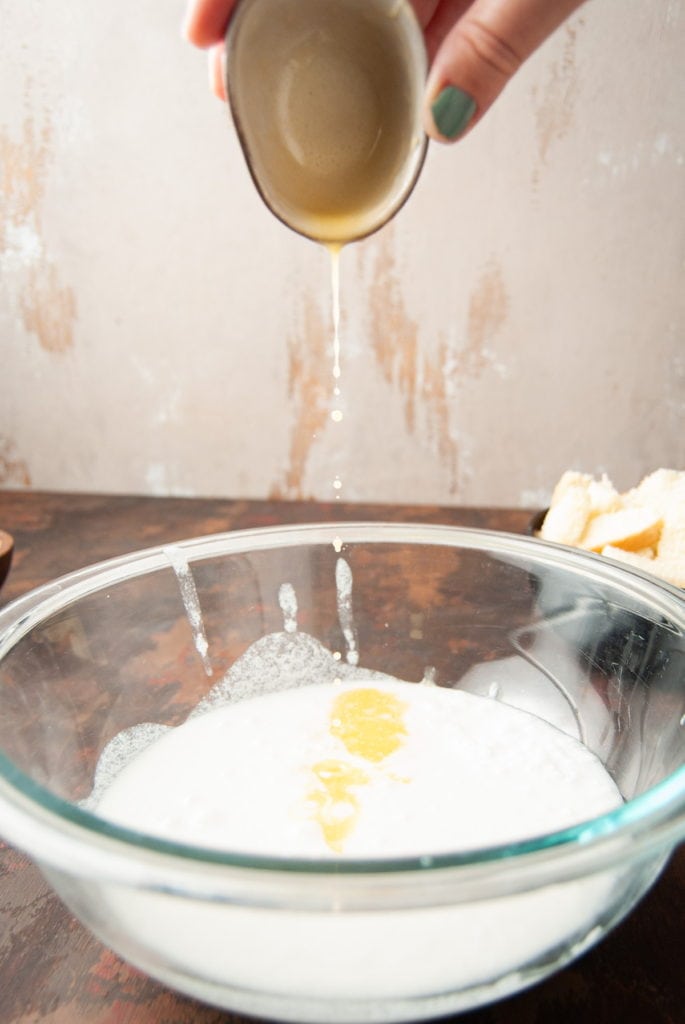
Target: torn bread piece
(645, 526)
(629, 528)
(602, 494)
(672, 539)
(577, 498)
(668, 569)
(664, 489)
(566, 520)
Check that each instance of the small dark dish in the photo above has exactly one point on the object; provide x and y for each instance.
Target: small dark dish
(6, 549)
(536, 521)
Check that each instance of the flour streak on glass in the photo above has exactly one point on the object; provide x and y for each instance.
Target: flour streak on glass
(191, 603)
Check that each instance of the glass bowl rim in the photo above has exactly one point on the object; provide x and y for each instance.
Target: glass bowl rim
(655, 818)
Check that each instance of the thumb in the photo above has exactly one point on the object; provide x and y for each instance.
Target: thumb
(477, 55)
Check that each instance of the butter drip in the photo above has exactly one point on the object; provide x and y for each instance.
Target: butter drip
(337, 805)
(370, 724)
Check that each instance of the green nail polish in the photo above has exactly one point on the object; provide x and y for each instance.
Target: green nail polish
(452, 111)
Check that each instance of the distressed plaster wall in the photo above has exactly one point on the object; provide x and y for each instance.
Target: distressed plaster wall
(162, 333)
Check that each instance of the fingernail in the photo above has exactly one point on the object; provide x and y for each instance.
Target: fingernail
(452, 111)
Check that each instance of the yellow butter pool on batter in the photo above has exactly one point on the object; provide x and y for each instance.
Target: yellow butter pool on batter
(370, 723)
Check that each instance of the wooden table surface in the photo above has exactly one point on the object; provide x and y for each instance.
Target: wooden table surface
(52, 971)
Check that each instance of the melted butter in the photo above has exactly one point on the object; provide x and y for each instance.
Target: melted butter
(337, 805)
(336, 413)
(369, 722)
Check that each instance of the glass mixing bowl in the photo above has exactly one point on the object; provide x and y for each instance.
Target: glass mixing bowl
(594, 648)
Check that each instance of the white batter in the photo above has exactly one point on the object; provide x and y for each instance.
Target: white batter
(360, 769)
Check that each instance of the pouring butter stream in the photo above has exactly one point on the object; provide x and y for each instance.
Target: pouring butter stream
(326, 96)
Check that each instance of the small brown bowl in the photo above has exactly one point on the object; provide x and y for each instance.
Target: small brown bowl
(6, 549)
(536, 521)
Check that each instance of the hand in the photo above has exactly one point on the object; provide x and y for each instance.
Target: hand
(475, 47)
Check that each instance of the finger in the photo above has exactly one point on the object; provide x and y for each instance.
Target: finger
(446, 13)
(206, 21)
(424, 10)
(478, 55)
(217, 78)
